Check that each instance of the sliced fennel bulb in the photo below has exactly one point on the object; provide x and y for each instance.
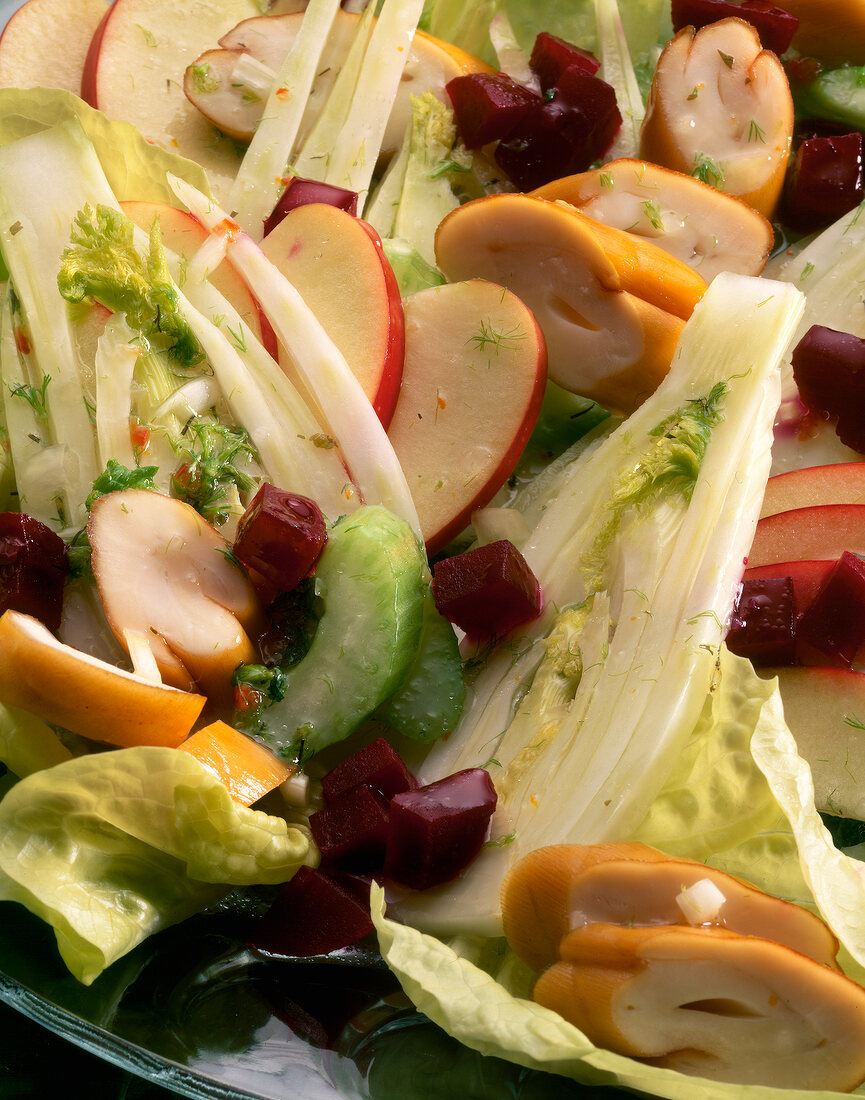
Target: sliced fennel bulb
(579, 716)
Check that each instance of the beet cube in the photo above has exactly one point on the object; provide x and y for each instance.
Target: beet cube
(763, 623)
(437, 830)
(300, 192)
(829, 369)
(551, 56)
(280, 535)
(775, 26)
(312, 914)
(34, 565)
(824, 181)
(352, 830)
(377, 764)
(832, 629)
(489, 105)
(566, 135)
(487, 591)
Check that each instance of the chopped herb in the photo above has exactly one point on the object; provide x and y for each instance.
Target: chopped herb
(695, 91)
(726, 58)
(653, 213)
(202, 79)
(606, 180)
(507, 341)
(116, 477)
(269, 682)
(707, 170)
(806, 270)
(35, 396)
(755, 133)
(208, 470)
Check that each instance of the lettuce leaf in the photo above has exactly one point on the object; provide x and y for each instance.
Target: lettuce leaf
(27, 744)
(111, 847)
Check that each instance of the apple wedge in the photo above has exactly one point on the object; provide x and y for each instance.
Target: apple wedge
(822, 531)
(473, 381)
(838, 483)
(163, 576)
(90, 697)
(45, 43)
(701, 226)
(134, 69)
(611, 305)
(183, 235)
(337, 264)
(825, 710)
(720, 108)
(232, 98)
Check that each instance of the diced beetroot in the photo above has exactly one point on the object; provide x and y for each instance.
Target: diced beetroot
(829, 369)
(301, 192)
(775, 26)
(34, 566)
(565, 135)
(487, 591)
(280, 535)
(376, 764)
(352, 830)
(823, 182)
(832, 630)
(551, 56)
(312, 914)
(762, 626)
(438, 829)
(489, 105)
(808, 578)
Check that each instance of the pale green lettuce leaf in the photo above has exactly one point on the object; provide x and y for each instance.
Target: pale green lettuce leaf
(836, 880)
(483, 1014)
(135, 169)
(27, 744)
(111, 847)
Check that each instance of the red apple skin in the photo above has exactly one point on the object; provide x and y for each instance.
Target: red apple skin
(822, 531)
(338, 266)
(182, 234)
(838, 483)
(464, 413)
(807, 577)
(88, 76)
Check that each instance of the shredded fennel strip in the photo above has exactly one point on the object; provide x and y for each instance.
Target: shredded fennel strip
(617, 69)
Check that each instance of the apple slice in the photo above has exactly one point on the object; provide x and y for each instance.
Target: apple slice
(134, 70)
(221, 94)
(822, 531)
(90, 697)
(838, 483)
(473, 380)
(337, 264)
(183, 235)
(45, 43)
(163, 574)
(700, 225)
(825, 710)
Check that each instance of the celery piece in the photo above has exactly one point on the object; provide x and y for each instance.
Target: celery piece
(380, 210)
(116, 356)
(259, 179)
(355, 153)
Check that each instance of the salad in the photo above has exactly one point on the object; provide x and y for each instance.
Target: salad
(389, 398)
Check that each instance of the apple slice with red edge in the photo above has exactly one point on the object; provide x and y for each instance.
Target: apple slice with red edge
(62, 685)
(836, 483)
(808, 578)
(45, 43)
(164, 575)
(134, 71)
(804, 534)
(473, 381)
(182, 234)
(337, 264)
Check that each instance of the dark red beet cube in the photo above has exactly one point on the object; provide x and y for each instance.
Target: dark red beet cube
(301, 192)
(829, 369)
(832, 629)
(312, 914)
(377, 764)
(34, 565)
(352, 830)
(775, 26)
(488, 106)
(824, 181)
(487, 591)
(565, 135)
(763, 623)
(551, 56)
(437, 830)
(280, 536)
